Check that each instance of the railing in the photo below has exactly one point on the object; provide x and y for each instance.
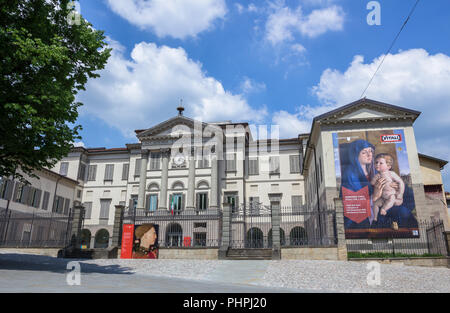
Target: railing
(184, 229)
(251, 227)
(427, 239)
(34, 230)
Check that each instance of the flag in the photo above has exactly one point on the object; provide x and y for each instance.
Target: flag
(171, 206)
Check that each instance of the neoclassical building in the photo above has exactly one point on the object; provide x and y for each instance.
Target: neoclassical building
(184, 165)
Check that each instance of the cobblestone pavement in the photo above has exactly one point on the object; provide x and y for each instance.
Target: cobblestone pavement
(30, 273)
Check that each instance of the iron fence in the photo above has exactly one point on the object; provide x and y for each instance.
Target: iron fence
(35, 229)
(183, 229)
(251, 227)
(427, 238)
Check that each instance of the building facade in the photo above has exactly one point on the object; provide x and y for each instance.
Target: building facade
(183, 166)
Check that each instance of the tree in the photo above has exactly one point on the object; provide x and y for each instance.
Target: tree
(45, 59)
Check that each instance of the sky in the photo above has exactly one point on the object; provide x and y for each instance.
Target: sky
(267, 63)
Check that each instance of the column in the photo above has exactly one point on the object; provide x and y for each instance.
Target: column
(342, 246)
(164, 179)
(276, 221)
(77, 221)
(226, 231)
(213, 202)
(142, 180)
(117, 228)
(190, 203)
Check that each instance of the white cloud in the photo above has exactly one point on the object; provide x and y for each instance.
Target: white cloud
(175, 18)
(79, 144)
(145, 90)
(290, 125)
(413, 79)
(250, 86)
(284, 23)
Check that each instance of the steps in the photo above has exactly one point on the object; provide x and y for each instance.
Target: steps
(249, 254)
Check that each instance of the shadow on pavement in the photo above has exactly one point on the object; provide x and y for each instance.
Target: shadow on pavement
(29, 262)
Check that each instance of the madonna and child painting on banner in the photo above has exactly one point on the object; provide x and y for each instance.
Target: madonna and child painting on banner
(374, 181)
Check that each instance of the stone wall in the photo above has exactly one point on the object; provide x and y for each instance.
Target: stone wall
(327, 253)
(189, 254)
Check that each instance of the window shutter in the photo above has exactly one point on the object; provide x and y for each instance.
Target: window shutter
(125, 170)
(183, 198)
(109, 171)
(147, 202)
(104, 209)
(16, 191)
(130, 204)
(87, 210)
(64, 167)
(37, 201)
(66, 206)
(25, 192)
(197, 201)
(9, 189)
(92, 171)
(45, 200)
(170, 202)
(137, 168)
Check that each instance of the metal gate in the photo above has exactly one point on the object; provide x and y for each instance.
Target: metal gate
(251, 227)
(35, 230)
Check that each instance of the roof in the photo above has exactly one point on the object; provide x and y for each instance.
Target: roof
(441, 162)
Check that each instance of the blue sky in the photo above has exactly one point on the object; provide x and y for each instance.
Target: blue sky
(265, 62)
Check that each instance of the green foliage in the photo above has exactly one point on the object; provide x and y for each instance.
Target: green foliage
(44, 62)
(384, 255)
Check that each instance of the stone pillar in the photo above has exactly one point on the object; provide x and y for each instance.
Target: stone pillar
(226, 231)
(117, 228)
(190, 203)
(77, 222)
(342, 246)
(276, 222)
(447, 241)
(213, 202)
(164, 179)
(142, 180)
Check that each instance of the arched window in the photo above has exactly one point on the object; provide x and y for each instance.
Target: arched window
(282, 237)
(203, 184)
(298, 237)
(174, 235)
(255, 238)
(153, 187)
(178, 185)
(101, 239)
(86, 238)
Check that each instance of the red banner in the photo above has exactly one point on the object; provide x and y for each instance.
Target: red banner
(356, 204)
(187, 241)
(127, 241)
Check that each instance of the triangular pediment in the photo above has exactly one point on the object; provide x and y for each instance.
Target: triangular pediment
(174, 127)
(367, 110)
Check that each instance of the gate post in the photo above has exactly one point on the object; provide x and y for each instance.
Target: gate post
(117, 227)
(276, 240)
(78, 216)
(226, 231)
(447, 241)
(342, 246)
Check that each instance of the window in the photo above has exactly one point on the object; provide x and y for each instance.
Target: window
(125, 169)
(274, 165)
(202, 201)
(155, 161)
(82, 172)
(64, 168)
(6, 189)
(36, 200)
(137, 168)
(133, 202)
(176, 203)
(92, 172)
(58, 204)
(253, 166)
(18, 192)
(200, 239)
(104, 208)
(109, 172)
(152, 203)
(87, 210)
(232, 199)
(203, 162)
(78, 193)
(231, 162)
(297, 204)
(294, 162)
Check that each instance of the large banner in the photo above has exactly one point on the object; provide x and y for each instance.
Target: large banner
(374, 179)
(140, 241)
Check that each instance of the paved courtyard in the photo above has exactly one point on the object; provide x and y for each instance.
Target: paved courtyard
(35, 273)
